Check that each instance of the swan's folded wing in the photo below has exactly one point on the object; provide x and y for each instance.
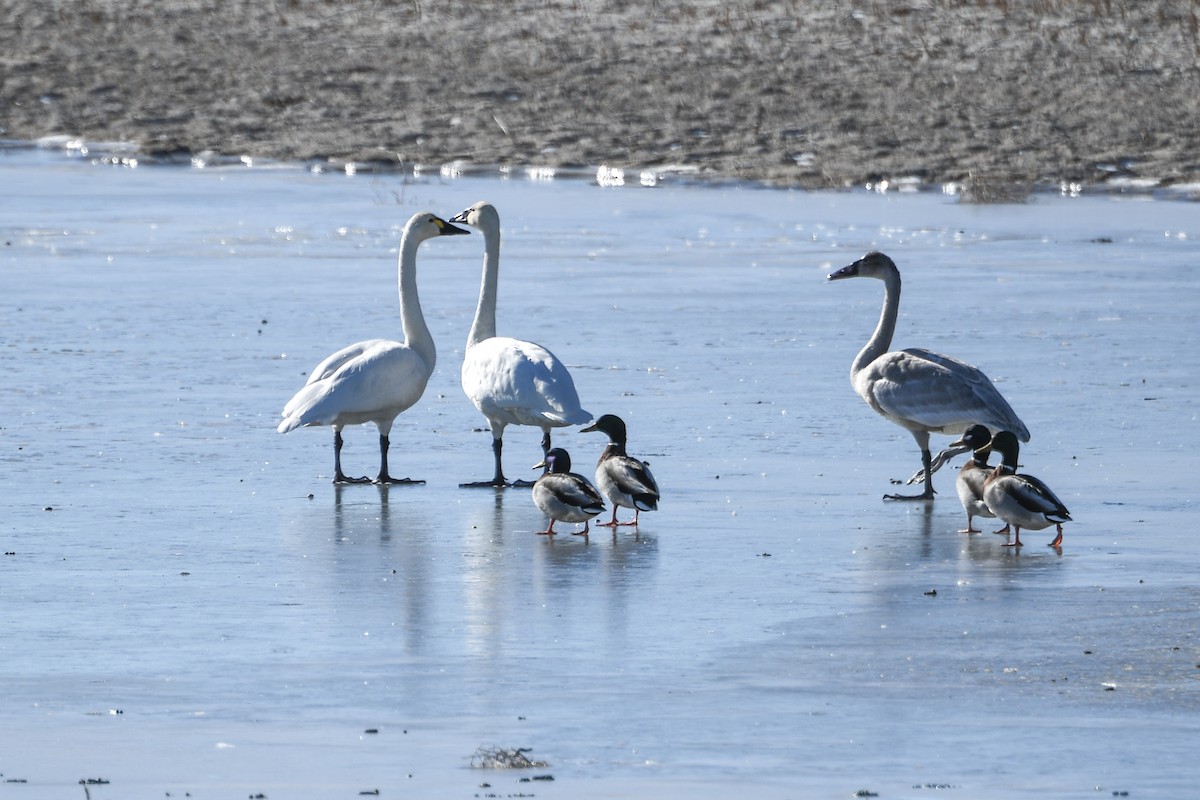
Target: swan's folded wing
(523, 381)
(938, 392)
(336, 361)
(387, 376)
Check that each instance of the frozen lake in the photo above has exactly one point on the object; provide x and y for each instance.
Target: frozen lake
(189, 605)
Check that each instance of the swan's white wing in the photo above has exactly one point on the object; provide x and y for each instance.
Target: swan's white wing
(384, 379)
(331, 364)
(937, 392)
(520, 383)
(336, 361)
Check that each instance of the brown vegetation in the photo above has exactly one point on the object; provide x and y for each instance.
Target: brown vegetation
(803, 92)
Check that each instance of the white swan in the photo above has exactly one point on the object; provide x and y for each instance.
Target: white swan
(564, 496)
(624, 480)
(375, 380)
(510, 381)
(1022, 501)
(921, 391)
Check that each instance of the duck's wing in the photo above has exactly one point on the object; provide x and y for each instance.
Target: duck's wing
(575, 490)
(1035, 495)
(631, 476)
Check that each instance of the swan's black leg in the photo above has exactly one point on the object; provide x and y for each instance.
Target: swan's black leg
(497, 481)
(927, 465)
(545, 454)
(384, 477)
(338, 475)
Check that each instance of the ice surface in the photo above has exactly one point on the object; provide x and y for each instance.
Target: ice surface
(190, 606)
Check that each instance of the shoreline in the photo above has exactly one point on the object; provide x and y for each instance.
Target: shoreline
(126, 154)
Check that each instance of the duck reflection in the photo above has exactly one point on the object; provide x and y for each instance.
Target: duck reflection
(517, 583)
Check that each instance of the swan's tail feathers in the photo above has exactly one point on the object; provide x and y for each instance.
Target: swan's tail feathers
(307, 407)
(561, 419)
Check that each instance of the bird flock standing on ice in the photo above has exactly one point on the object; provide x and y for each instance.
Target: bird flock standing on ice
(516, 382)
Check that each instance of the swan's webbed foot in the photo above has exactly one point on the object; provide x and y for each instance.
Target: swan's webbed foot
(926, 495)
(338, 475)
(494, 483)
(384, 477)
(388, 480)
(521, 484)
(497, 481)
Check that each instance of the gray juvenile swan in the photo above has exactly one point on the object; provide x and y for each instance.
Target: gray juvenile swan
(375, 380)
(921, 391)
(510, 381)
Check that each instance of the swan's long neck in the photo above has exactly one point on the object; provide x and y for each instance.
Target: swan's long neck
(416, 332)
(484, 326)
(881, 340)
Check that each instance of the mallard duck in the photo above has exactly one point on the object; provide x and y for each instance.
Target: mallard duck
(375, 380)
(973, 474)
(624, 480)
(510, 381)
(921, 391)
(564, 496)
(1022, 501)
